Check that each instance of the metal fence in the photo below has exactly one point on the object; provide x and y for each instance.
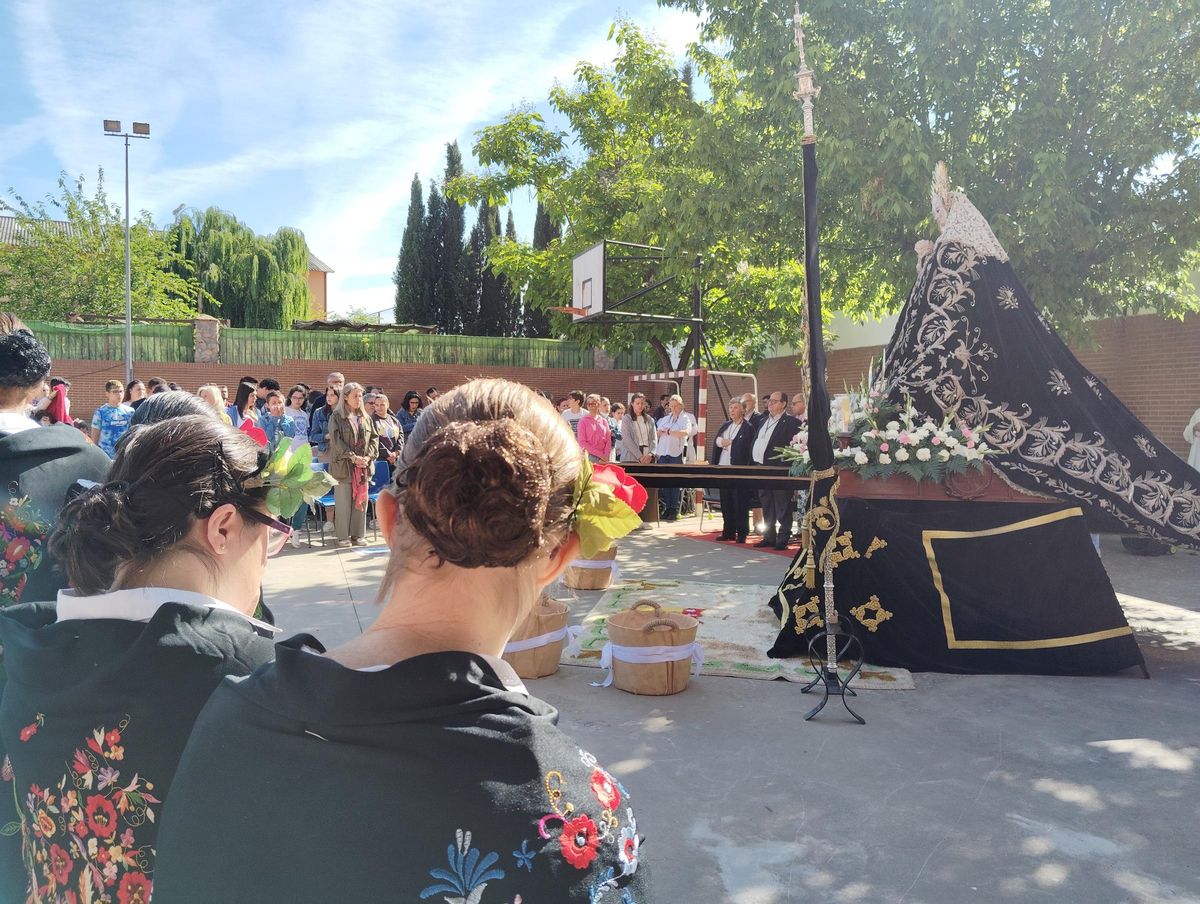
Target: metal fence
(165, 342)
(262, 347)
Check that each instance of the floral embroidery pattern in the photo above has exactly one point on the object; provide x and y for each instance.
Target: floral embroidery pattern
(581, 836)
(1146, 446)
(1007, 298)
(468, 875)
(1058, 382)
(31, 729)
(524, 857)
(23, 538)
(79, 843)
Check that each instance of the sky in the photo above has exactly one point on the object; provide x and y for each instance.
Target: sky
(300, 113)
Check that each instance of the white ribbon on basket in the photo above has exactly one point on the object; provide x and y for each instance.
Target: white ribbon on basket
(570, 634)
(693, 651)
(599, 563)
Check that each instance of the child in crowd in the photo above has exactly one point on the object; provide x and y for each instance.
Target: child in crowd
(276, 422)
(111, 420)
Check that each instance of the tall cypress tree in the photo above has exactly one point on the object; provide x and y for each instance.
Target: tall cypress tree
(453, 278)
(545, 231)
(514, 322)
(475, 256)
(409, 275)
(491, 320)
(431, 258)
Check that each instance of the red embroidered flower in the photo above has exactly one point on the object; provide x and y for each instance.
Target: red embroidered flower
(17, 549)
(624, 487)
(135, 888)
(28, 731)
(605, 789)
(101, 816)
(579, 841)
(80, 762)
(102, 856)
(60, 864)
(113, 738)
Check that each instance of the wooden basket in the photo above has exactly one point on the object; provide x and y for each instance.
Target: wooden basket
(584, 578)
(547, 616)
(645, 625)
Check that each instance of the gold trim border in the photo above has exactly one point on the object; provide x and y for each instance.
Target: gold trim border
(927, 538)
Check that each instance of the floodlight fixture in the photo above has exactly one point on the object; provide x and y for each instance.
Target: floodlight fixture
(112, 125)
(141, 128)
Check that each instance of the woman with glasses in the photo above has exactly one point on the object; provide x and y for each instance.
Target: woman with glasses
(165, 559)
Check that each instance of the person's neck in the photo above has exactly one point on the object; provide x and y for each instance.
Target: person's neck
(180, 572)
(436, 614)
(737, 421)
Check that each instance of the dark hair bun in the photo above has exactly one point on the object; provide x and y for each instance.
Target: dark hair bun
(478, 493)
(96, 531)
(23, 360)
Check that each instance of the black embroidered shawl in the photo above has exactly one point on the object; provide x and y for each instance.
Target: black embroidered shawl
(429, 780)
(970, 340)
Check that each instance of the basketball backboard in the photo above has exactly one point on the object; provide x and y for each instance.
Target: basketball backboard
(587, 283)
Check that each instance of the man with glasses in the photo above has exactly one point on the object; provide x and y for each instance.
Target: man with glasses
(779, 507)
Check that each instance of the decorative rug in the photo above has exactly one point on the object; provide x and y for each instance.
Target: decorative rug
(748, 546)
(736, 630)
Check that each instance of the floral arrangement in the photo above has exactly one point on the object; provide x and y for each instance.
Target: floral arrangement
(886, 440)
(607, 506)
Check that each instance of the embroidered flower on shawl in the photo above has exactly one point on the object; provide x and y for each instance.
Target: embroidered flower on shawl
(96, 857)
(629, 843)
(605, 790)
(524, 857)
(1146, 446)
(1007, 298)
(579, 841)
(1058, 382)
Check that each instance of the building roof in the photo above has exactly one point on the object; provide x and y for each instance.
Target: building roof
(10, 231)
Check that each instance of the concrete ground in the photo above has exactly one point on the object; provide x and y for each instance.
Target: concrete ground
(967, 789)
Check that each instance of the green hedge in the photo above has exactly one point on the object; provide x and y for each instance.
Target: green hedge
(165, 342)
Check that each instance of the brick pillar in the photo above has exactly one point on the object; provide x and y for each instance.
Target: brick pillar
(206, 333)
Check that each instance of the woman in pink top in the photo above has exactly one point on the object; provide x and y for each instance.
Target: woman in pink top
(594, 436)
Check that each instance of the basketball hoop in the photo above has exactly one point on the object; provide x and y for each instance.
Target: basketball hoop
(577, 312)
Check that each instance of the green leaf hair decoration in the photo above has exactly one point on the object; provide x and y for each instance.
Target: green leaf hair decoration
(607, 502)
(290, 480)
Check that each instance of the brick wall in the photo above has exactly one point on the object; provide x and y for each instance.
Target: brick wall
(88, 377)
(1151, 364)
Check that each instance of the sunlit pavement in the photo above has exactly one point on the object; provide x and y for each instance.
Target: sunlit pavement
(968, 789)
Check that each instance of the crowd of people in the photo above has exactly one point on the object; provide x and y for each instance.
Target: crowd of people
(161, 744)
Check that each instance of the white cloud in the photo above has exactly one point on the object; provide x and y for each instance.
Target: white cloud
(311, 114)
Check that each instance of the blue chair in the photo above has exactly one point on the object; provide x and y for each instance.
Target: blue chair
(318, 506)
(379, 479)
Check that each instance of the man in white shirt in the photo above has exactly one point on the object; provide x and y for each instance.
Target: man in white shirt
(779, 507)
(675, 430)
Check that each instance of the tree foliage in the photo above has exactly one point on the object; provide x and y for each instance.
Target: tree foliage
(253, 280)
(1074, 126)
(410, 272)
(71, 260)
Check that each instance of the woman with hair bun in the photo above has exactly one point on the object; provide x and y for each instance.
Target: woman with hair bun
(414, 759)
(166, 559)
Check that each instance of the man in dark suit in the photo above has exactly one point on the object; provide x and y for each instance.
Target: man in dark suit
(732, 446)
(779, 506)
(750, 409)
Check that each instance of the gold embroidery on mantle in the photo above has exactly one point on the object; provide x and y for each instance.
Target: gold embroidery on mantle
(876, 545)
(808, 615)
(871, 622)
(844, 550)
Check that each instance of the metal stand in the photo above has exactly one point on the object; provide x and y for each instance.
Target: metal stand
(827, 676)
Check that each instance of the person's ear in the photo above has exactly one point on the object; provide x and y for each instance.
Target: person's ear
(566, 553)
(219, 528)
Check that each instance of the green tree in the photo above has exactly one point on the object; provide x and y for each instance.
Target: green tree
(410, 272)
(253, 280)
(433, 308)
(452, 277)
(494, 314)
(70, 259)
(1074, 126)
(545, 231)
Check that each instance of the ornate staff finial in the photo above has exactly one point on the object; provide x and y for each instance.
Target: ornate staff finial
(806, 92)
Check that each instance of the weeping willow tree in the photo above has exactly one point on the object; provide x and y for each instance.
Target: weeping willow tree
(257, 281)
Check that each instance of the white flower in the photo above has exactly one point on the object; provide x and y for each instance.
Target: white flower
(860, 457)
(951, 441)
(943, 455)
(923, 455)
(892, 425)
(884, 458)
(901, 455)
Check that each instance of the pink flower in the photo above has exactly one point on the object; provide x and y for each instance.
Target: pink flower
(966, 432)
(874, 393)
(970, 444)
(883, 447)
(905, 438)
(937, 440)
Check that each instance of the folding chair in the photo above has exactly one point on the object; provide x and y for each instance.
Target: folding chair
(317, 509)
(710, 502)
(379, 480)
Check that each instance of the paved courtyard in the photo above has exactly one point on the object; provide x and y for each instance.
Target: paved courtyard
(967, 789)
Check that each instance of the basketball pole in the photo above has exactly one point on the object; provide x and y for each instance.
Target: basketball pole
(697, 327)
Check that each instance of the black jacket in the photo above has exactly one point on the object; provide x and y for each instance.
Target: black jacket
(95, 715)
(41, 464)
(312, 782)
(740, 451)
(785, 428)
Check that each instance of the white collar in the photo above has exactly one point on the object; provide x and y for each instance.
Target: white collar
(138, 604)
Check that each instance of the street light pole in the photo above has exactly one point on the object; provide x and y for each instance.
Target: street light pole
(112, 128)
